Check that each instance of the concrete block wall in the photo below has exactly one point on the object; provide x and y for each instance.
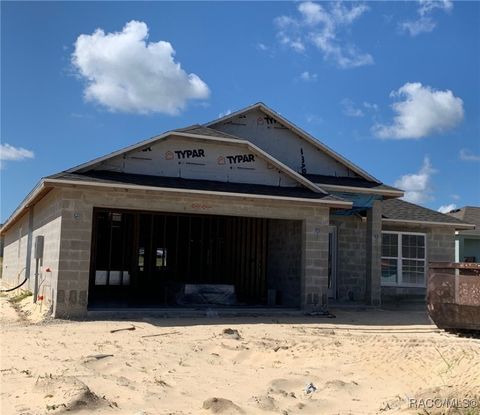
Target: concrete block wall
(351, 257)
(441, 244)
(14, 253)
(74, 258)
(374, 254)
(314, 282)
(77, 210)
(284, 260)
(46, 220)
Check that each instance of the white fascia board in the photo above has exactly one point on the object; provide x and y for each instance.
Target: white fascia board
(428, 223)
(331, 203)
(353, 189)
(23, 205)
(301, 133)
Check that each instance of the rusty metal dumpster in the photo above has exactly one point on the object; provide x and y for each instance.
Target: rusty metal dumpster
(453, 295)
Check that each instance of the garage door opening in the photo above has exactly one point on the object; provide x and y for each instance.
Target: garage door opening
(142, 259)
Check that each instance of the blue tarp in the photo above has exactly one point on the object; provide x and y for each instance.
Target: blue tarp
(360, 202)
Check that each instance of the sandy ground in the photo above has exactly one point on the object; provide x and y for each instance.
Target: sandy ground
(362, 362)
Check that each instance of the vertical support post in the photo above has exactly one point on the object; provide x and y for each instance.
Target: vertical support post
(459, 248)
(374, 254)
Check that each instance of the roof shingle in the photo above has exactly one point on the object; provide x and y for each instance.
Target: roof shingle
(401, 210)
(469, 214)
(103, 176)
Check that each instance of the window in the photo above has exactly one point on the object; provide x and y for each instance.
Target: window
(403, 259)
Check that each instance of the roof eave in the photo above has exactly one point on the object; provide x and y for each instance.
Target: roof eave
(430, 223)
(331, 203)
(36, 194)
(354, 189)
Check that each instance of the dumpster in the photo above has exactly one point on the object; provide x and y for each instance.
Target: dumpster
(453, 295)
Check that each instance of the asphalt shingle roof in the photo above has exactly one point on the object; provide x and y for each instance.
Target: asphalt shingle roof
(103, 176)
(469, 214)
(348, 181)
(401, 210)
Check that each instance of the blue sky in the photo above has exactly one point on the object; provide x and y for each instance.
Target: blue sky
(392, 86)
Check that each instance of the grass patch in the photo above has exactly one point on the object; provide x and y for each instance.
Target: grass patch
(21, 296)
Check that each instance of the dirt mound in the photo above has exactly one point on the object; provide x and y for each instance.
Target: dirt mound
(68, 394)
(338, 384)
(265, 402)
(222, 406)
(231, 334)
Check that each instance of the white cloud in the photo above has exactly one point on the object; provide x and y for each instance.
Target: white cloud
(417, 186)
(262, 46)
(370, 106)
(314, 119)
(447, 208)
(11, 153)
(467, 155)
(321, 27)
(350, 109)
(427, 6)
(421, 25)
(455, 197)
(425, 22)
(296, 44)
(422, 112)
(308, 77)
(225, 113)
(125, 72)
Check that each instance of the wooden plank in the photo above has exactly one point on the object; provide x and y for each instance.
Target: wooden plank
(218, 256)
(258, 255)
(231, 257)
(251, 259)
(247, 256)
(264, 253)
(189, 253)
(226, 248)
(203, 249)
(246, 268)
(135, 253)
(454, 265)
(243, 281)
(177, 237)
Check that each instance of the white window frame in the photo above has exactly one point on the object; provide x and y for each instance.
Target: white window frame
(400, 259)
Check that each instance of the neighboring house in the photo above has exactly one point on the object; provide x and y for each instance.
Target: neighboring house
(467, 242)
(248, 205)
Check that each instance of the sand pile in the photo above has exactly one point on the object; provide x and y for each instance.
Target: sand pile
(360, 363)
